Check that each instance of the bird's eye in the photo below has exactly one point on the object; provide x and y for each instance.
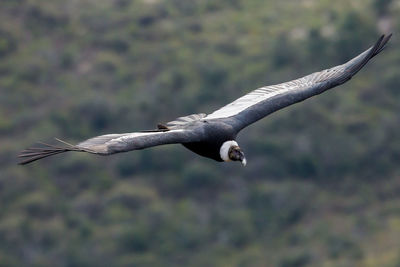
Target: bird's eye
(237, 155)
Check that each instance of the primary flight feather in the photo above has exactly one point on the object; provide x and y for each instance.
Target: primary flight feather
(213, 135)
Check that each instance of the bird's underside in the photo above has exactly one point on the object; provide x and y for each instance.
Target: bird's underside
(213, 135)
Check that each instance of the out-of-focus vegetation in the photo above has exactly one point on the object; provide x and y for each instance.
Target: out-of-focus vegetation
(322, 185)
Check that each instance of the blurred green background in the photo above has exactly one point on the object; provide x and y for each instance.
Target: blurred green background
(321, 187)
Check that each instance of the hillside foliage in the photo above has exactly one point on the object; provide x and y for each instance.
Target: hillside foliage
(321, 187)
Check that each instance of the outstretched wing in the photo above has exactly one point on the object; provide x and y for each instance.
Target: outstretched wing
(263, 101)
(112, 143)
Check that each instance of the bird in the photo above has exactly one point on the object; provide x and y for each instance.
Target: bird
(214, 135)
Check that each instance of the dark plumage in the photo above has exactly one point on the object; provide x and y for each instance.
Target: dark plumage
(213, 135)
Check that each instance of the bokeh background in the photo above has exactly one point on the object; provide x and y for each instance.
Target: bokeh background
(321, 187)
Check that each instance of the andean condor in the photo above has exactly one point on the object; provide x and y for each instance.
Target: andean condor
(213, 135)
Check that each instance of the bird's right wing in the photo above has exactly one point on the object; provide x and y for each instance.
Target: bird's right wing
(113, 143)
(263, 101)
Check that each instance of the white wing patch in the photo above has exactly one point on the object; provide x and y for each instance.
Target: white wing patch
(101, 143)
(266, 92)
(129, 136)
(255, 97)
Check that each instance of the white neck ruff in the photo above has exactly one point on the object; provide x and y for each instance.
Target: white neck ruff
(224, 150)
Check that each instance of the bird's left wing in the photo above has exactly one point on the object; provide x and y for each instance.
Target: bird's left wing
(113, 143)
(263, 101)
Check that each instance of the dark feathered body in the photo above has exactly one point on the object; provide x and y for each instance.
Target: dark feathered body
(210, 147)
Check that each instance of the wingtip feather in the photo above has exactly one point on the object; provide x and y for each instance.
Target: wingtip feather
(45, 150)
(383, 42)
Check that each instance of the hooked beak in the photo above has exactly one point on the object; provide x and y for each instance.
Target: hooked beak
(243, 160)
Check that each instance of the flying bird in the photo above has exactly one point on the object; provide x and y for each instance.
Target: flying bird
(213, 135)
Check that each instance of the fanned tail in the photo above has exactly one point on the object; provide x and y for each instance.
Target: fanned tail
(46, 150)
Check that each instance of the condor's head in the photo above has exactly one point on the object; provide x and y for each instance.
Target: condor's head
(230, 151)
